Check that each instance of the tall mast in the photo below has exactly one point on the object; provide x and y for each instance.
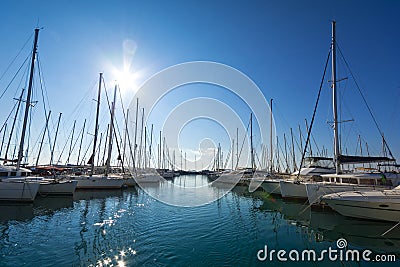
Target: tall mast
(233, 148)
(145, 147)
(270, 139)
(28, 100)
(55, 139)
(286, 154)
(110, 137)
(98, 149)
(72, 139)
(251, 141)
(237, 147)
(293, 154)
(105, 145)
(335, 113)
(135, 144)
(141, 142)
(80, 146)
(96, 127)
(151, 144)
(13, 126)
(159, 153)
(125, 134)
(4, 135)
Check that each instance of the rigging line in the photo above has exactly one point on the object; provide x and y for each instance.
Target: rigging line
(287, 125)
(258, 159)
(125, 121)
(365, 101)
(285, 158)
(65, 145)
(316, 145)
(15, 58)
(42, 86)
(116, 139)
(227, 160)
(77, 106)
(313, 117)
(86, 151)
(13, 78)
(115, 123)
(297, 144)
(9, 115)
(43, 93)
(241, 148)
(76, 140)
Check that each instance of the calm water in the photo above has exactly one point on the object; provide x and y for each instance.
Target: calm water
(130, 228)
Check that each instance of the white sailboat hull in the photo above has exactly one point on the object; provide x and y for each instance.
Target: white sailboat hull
(272, 186)
(148, 178)
(18, 191)
(374, 205)
(98, 182)
(50, 186)
(58, 188)
(291, 189)
(315, 191)
(231, 178)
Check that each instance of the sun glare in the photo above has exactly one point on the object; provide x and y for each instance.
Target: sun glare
(127, 80)
(127, 76)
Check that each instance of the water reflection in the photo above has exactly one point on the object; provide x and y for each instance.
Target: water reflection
(100, 211)
(16, 212)
(128, 227)
(41, 206)
(96, 194)
(327, 225)
(185, 191)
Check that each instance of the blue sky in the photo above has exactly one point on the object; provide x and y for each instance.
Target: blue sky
(281, 45)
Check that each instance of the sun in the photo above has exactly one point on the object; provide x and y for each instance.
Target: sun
(127, 76)
(126, 79)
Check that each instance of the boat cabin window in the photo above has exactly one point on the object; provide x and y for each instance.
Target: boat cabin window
(3, 174)
(367, 181)
(327, 179)
(24, 173)
(13, 174)
(317, 178)
(349, 180)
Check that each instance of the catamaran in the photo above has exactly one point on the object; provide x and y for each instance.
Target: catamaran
(314, 187)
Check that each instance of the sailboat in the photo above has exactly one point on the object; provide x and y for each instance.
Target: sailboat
(16, 190)
(242, 176)
(317, 186)
(102, 181)
(13, 185)
(140, 175)
(47, 186)
(358, 179)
